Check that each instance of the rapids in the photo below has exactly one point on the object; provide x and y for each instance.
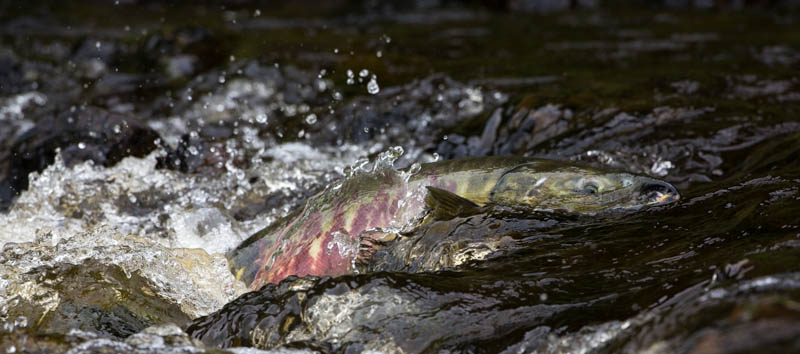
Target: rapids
(140, 141)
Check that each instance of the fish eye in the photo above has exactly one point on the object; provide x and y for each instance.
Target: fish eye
(591, 188)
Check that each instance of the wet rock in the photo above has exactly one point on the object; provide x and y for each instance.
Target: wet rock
(420, 111)
(180, 66)
(201, 154)
(270, 100)
(165, 338)
(116, 85)
(95, 49)
(84, 134)
(12, 78)
(758, 315)
(776, 55)
(686, 87)
(127, 283)
(27, 340)
(516, 135)
(750, 87)
(623, 142)
(108, 302)
(547, 6)
(184, 51)
(388, 312)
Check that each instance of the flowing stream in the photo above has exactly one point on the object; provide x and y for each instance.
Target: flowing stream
(140, 141)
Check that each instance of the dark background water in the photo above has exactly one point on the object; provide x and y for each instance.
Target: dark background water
(702, 94)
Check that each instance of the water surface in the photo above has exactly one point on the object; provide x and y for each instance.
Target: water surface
(140, 141)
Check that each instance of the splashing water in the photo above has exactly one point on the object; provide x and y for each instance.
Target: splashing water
(99, 257)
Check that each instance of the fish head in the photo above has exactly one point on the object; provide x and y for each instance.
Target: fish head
(579, 189)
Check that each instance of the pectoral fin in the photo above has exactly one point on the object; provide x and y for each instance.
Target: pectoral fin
(369, 242)
(446, 205)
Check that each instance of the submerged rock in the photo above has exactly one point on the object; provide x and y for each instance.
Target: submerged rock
(125, 283)
(388, 312)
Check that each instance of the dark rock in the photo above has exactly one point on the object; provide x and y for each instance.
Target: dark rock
(204, 153)
(517, 135)
(108, 302)
(95, 48)
(490, 132)
(85, 134)
(12, 79)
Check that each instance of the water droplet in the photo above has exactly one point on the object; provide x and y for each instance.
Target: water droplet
(350, 77)
(322, 85)
(117, 129)
(396, 151)
(221, 79)
(132, 198)
(415, 167)
(336, 51)
(363, 73)
(337, 95)
(97, 45)
(627, 182)
(256, 13)
(81, 145)
(311, 119)
(372, 86)
(661, 168)
(379, 54)
(261, 118)
(21, 321)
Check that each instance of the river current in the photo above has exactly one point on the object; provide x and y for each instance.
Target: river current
(140, 141)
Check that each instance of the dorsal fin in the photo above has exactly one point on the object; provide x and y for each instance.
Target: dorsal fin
(446, 205)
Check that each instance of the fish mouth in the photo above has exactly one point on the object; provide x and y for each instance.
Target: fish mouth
(655, 192)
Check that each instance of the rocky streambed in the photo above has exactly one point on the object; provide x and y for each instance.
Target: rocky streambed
(140, 141)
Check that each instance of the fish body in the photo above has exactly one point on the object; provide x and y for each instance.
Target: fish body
(324, 235)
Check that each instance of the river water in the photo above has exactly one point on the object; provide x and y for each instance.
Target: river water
(141, 141)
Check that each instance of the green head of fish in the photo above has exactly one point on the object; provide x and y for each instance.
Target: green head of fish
(579, 189)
